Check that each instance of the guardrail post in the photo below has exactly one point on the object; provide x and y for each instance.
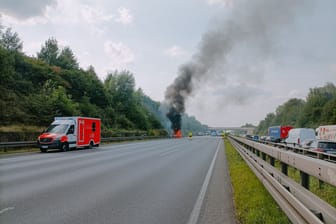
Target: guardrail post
(304, 180)
(321, 184)
(272, 161)
(263, 156)
(284, 168)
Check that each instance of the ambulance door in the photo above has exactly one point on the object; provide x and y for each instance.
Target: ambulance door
(81, 132)
(72, 136)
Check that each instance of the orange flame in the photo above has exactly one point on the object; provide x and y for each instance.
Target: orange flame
(177, 133)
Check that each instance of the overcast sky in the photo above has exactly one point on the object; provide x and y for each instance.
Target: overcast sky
(295, 50)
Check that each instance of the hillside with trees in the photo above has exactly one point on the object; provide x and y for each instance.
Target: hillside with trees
(319, 108)
(189, 123)
(34, 90)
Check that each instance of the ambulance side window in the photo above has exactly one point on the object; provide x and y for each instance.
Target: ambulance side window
(93, 126)
(71, 130)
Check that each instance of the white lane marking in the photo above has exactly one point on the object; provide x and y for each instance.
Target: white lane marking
(197, 207)
(168, 152)
(6, 210)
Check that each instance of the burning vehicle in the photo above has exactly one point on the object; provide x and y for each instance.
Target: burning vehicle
(177, 133)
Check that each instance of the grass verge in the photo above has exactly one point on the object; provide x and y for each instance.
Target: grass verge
(252, 201)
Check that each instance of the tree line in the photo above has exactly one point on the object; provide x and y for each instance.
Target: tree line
(34, 90)
(319, 108)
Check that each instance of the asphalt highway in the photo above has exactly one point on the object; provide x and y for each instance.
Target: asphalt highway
(148, 182)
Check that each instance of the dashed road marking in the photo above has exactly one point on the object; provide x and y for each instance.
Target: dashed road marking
(6, 210)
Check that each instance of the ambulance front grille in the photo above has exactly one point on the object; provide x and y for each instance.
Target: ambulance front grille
(45, 140)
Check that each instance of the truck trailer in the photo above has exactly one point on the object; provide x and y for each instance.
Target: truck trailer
(65, 133)
(327, 132)
(278, 133)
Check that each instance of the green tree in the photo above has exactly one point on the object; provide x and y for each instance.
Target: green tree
(41, 105)
(67, 59)
(120, 87)
(329, 113)
(263, 126)
(52, 101)
(63, 104)
(49, 52)
(189, 123)
(318, 109)
(289, 112)
(316, 100)
(10, 40)
(12, 108)
(84, 84)
(7, 68)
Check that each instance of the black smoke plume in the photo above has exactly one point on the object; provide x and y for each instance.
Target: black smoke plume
(252, 26)
(176, 94)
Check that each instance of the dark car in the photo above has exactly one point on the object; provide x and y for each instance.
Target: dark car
(324, 146)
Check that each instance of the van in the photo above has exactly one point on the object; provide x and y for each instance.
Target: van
(70, 132)
(298, 135)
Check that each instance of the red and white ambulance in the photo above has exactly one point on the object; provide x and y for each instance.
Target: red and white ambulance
(70, 132)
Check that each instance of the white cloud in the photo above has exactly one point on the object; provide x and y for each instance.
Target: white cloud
(31, 48)
(25, 9)
(333, 68)
(219, 2)
(32, 21)
(295, 93)
(120, 55)
(65, 12)
(125, 17)
(73, 12)
(174, 51)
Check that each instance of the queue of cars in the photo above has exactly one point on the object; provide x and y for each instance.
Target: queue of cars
(323, 139)
(319, 145)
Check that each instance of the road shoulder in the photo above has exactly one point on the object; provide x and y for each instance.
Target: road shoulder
(218, 206)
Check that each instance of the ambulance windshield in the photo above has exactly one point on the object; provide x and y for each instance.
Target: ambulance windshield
(57, 128)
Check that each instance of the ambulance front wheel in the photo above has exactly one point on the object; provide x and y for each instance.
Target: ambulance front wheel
(65, 147)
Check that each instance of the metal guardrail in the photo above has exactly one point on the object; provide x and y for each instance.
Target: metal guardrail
(300, 205)
(18, 144)
(23, 144)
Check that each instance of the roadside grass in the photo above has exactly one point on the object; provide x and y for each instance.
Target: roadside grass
(17, 151)
(252, 201)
